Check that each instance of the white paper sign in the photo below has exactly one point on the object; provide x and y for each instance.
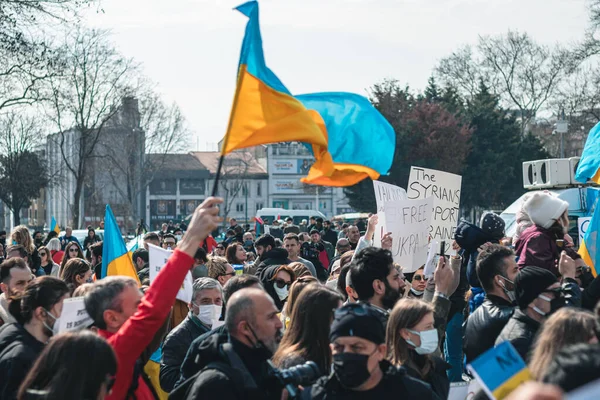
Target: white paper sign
(430, 264)
(409, 221)
(463, 390)
(74, 316)
(157, 259)
(384, 192)
(583, 223)
(445, 190)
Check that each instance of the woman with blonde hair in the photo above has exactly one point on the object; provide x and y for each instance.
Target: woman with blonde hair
(565, 327)
(412, 338)
(21, 235)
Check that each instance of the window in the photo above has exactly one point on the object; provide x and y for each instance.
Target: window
(239, 207)
(244, 189)
(258, 190)
(259, 206)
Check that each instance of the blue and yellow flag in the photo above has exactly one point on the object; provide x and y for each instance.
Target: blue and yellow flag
(54, 226)
(588, 250)
(349, 138)
(589, 164)
(360, 140)
(264, 111)
(116, 260)
(500, 370)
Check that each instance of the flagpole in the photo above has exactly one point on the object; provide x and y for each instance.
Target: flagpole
(217, 175)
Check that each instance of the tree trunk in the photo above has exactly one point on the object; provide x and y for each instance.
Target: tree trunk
(17, 217)
(76, 198)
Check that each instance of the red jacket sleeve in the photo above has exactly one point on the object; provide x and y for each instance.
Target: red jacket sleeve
(139, 330)
(538, 252)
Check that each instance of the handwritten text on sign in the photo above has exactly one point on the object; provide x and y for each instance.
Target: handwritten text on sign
(409, 220)
(384, 192)
(158, 258)
(445, 190)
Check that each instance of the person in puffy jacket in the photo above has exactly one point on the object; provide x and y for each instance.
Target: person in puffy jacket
(540, 244)
(539, 294)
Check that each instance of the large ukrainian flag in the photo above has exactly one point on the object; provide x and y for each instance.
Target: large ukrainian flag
(588, 250)
(264, 111)
(349, 138)
(116, 260)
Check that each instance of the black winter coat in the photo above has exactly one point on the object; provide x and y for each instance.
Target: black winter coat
(175, 348)
(485, 324)
(18, 352)
(437, 379)
(396, 384)
(191, 363)
(520, 331)
(254, 383)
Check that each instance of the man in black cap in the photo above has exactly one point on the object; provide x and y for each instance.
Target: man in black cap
(360, 368)
(539, 294)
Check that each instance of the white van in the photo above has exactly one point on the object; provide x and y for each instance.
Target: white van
(270, 214)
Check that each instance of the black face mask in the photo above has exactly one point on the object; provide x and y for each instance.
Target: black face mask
(557, 303)
(351, 369)
(391, 296)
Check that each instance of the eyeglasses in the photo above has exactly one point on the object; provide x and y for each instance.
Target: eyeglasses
(42, 254)
(220, 248)
(232, 273)
(73, 250)
(418, 278)
(281, 283)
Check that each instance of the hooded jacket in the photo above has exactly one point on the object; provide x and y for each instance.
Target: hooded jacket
(266, 271)
(537, 248)
(470, 237)
(232, 382)
(18, 351)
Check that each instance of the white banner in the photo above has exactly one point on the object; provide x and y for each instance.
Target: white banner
(158, 258)
(384, 192)
(74, 316)
(409, 220)
(445, 190)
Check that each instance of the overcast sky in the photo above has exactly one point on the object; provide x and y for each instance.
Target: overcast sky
(191, 47)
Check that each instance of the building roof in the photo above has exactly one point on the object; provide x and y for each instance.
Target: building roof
(177, 165)
(238, 162)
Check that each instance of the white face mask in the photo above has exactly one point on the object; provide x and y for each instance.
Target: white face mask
(178, 237)
(208, 313)
(429, 341)
(54, 328)
(282, 293)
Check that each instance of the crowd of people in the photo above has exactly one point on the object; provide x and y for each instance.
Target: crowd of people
(301, 312)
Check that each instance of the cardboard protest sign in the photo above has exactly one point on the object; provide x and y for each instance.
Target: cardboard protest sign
(445, 189)
(74, 316)
(158, 258)
(384, 192)
(409, 220)
(500, 370)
